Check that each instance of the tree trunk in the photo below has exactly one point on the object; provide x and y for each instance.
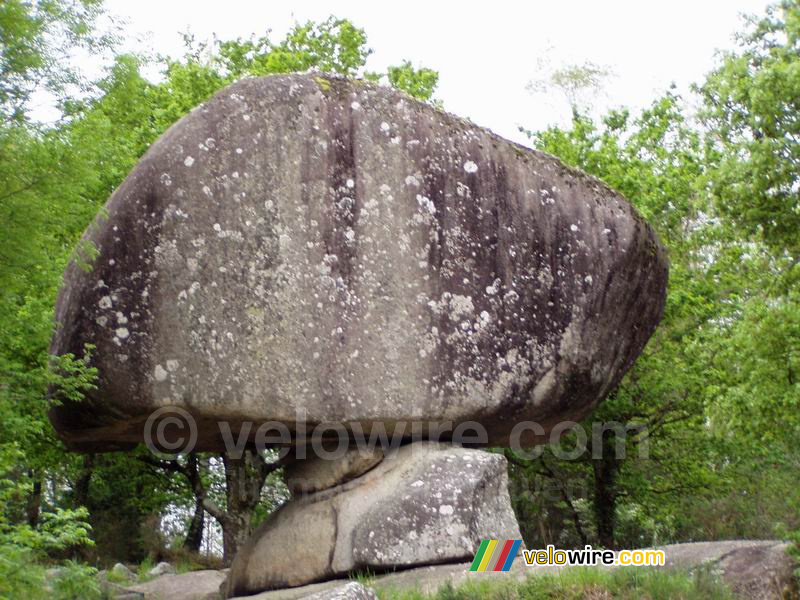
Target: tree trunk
(605, 496)
(81, 491)
(244, 478)
(194, 535)
(33, 506)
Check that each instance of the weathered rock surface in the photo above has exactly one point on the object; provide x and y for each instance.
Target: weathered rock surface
(423, 504)
(314, 474)
(753, 569)
(349, 591)
(336, 249)
(769, 577)
(120, 571)
(195, 585)
(162, 568)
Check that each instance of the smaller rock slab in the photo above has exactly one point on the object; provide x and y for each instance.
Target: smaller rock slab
(317, 474)
(349, 591)
(195, 585)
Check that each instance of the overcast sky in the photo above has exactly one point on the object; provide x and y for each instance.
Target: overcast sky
(485, 52)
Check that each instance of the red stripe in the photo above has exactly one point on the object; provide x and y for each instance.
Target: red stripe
(503, 555)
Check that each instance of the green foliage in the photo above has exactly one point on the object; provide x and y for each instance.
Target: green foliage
(70, 377)
(751, 107)
(657, 161)
(716, 388)
(144, 568)
(74, 581)
(22, 578)
(419, 83)
(34, 38)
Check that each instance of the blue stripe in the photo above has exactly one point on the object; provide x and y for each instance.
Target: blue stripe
(512, 555)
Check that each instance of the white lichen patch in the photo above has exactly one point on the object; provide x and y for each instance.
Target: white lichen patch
(160, 373)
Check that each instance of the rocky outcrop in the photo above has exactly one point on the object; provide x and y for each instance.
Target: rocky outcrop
(162, 568)
(349, 591)
(423, 504)
(752, 569)
(195, 585)
(313, 248)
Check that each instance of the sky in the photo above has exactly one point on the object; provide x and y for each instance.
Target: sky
(486, 52)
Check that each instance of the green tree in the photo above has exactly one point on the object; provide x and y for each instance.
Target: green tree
(751, 103)
(658, 450)
(752, 110)
(34, 39)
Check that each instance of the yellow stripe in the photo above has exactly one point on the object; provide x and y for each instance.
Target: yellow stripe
(487, 556)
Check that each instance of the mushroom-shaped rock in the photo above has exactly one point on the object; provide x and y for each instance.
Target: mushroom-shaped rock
(335, 251)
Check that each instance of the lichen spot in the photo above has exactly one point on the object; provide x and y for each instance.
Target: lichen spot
(160, 373)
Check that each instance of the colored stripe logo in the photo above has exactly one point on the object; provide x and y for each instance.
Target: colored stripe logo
(495, 555)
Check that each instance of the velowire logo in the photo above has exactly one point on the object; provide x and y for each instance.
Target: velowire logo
(495, 555)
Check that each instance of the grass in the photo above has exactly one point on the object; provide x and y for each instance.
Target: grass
(365, 578)
(144, 567)
(581, 583)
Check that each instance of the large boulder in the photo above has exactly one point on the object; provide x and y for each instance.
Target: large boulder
(423, 504)
(335, 251)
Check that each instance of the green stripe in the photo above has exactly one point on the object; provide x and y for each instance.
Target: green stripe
(479, 555)
(487, 555)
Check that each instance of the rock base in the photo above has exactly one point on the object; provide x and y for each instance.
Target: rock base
(767, 574)
(423, 504)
